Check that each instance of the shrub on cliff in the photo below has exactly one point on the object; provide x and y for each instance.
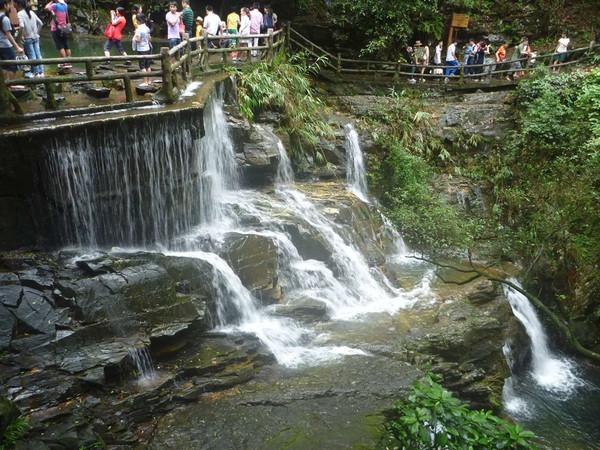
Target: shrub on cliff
(283, 85)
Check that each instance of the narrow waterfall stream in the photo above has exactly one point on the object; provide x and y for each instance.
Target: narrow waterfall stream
(557, 397)
(355, 167)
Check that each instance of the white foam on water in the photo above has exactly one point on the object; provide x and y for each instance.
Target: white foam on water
(356, 176)
(552, 372)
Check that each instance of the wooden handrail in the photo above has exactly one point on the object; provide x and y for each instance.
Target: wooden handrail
(175, 62)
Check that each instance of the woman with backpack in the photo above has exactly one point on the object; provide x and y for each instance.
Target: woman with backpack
(60, 27)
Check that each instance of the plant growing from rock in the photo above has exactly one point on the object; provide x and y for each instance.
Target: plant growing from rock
(284, 85)
(431, 418)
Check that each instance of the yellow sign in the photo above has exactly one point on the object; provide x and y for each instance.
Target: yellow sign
(460, 21)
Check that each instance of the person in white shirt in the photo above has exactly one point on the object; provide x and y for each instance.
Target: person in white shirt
(451, 60)
(562, 49)
(244, 30)
(212, 24)
(142, 45)
(30, 24)
(437, 58)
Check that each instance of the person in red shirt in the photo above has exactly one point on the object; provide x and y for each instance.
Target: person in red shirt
(114, 32)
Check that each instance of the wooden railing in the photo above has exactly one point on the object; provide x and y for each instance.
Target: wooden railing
(197, 56)
(349, 66)
(193, 56)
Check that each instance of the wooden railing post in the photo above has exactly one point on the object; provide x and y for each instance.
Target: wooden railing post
(205, 49)
(270, 44)
(89, 69)
(188, 52)
(339, 62)
(128, 90)
(288, 35)
(184, 67)
(167, 75)
(50, 100)
(4, 96)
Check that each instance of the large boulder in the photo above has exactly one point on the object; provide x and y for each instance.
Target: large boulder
(254, 259)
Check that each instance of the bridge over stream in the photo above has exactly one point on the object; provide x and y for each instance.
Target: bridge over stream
(197, 58)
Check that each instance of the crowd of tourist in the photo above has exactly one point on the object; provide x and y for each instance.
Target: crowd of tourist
(479, 57)
(241, 28)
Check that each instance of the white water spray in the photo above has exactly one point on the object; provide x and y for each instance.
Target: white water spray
(551, 372)
(355, 167)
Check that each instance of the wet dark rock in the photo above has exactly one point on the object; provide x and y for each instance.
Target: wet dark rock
(310, 245)
(21, 93)
(148, 89)
(254, 259)
(98, 92)
(466, 195)
(36, 312)
(304, 310)
(96, 267)
(36, 279)
(8, 278)
(483, 292)
(10, 295)
(333, 406)
(7, 326)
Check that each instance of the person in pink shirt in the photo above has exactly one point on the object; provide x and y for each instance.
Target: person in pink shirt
(60, 18)
(256, 20)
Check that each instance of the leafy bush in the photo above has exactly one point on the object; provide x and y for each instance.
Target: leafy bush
(400, 175)
(283, 85)
(430, 417)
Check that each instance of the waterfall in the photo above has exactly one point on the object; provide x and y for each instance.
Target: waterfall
(355, 166)
(119, 185)
(550, 371)
(143, 363)
(181, 194)
(285, 173)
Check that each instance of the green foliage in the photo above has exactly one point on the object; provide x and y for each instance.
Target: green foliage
(546, 180)
(14, 433)
(402, 172)
(283, 85)
(430, 417)
(98, 445)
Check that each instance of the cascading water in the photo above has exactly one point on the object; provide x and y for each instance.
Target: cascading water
(355, 167)
(551, 372)
(123, 186)
(285, 173)
(551, 397)
(143, 363)
(212, 207)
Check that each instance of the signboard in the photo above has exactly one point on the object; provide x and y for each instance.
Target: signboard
(460, 21)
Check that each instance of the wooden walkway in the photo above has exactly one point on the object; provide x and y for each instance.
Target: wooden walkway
(196, 57)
